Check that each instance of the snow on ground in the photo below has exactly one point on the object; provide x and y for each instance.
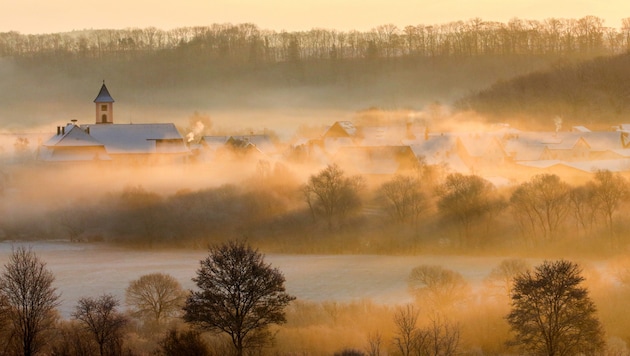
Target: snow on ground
(83, 270)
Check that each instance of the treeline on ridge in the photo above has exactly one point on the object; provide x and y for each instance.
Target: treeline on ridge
(248, 43)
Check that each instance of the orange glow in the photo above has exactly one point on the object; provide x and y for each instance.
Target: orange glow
(39, 16)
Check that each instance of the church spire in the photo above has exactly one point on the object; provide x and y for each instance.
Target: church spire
(104, 106)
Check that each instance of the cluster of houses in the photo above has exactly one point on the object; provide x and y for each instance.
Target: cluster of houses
(502, 155)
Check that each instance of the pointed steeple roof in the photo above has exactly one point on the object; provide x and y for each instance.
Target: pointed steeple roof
(103, 95)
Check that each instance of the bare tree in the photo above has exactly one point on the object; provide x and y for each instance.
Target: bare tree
(239, 294)
(584, 206)
(438, 286)
(375, 340)
(29, 298)
(611, 190)
(404, 199)
(541, 205)
(552, 314)
(440, 338)
(102, 320)
(501, 277)
(466, 200)
(331, 195)
(406, 320)
(155, 296)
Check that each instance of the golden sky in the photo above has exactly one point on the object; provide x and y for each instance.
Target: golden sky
(46, 16)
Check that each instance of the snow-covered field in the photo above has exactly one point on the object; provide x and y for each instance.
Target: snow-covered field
(92, 269)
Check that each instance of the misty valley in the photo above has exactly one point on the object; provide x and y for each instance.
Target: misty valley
(445, 190)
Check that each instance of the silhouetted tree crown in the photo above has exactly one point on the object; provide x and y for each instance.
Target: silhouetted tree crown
(239, 294)
(552, 314)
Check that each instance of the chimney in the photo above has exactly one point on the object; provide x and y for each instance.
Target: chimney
(63, 130)
(58, 130)
(87, 130)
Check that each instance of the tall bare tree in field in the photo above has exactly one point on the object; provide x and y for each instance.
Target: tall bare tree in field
(30, 300)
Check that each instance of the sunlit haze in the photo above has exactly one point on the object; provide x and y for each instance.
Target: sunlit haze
(38, 16)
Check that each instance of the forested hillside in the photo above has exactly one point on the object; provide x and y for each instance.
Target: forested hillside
(593, 93)
(158, 75)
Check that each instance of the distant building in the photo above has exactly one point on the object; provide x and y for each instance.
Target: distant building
(106, 141)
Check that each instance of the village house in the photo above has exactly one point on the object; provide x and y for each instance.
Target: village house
(105, 140)
(251, 146)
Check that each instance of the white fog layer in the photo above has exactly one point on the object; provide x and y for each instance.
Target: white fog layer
(91, 269)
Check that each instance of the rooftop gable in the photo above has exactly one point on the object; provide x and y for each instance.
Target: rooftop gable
(73, 136)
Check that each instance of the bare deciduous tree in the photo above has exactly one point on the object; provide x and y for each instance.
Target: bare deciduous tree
(439, 338)
(541, 205)
(406, 320)
(552, 314)
(331, 195)
(239, 294)
(584, 207)
(30, 300)
(438, 286)
(404, 199)
(501, 277)
(155, 296)
(102, 320)
(375, 340)
(466, 200)
(611, 190)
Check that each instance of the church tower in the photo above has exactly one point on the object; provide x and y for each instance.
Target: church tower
(104, 106)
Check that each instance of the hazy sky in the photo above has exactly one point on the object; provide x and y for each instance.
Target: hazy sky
(45, 16)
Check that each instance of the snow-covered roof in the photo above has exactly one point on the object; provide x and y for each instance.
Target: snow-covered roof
(479, 145)
(603, 140)
(103, 96)
(72, 136)
(138, 138)
(580, 129)
(347, 127)
(435, 146)
(382, 135)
